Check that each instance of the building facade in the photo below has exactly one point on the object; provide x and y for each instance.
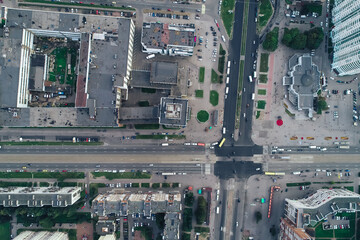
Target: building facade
(346, 37)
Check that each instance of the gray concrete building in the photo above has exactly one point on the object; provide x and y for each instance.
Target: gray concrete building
(173, 111)
(168, 39)
(39, 196)
(303, 82)
(43, 235)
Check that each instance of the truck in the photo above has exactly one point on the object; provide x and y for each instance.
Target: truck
(150, 56)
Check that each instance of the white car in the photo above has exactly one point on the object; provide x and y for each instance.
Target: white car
(187, 144)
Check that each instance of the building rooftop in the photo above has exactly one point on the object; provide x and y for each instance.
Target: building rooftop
(105, 227)
(173, 111)
(303, 82)
(164, 73)
(42, 235)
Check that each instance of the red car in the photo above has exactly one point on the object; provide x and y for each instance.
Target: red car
(64, 171)
(81, 2)
(169, 9)
(201, 144)
(92, 3)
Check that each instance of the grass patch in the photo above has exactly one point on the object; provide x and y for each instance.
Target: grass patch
(202, 116)
(265, 12)
(221, 64)
(222, 50)
(161, 136)
(244, 29)
(148, 90)
(145, 185)
(296, 184)
(257, 114)
(143, 103)
(171, 128)
(30, 143)
(175, 185)
(147, 126)
(199, 93)
(350, 188)
(289, 113)
(165, 185)
(135, 185)
(214, 97)
(5, 231)
(288, 2)
(155, 185)
(94, 188)
(201, 74)
(227, 15)
(261, 104)
(320, 233)
(202, 229)
(238, 101)
(262, 91)
(44, 184)
(264, 61)
(214, 76)
(263, 78)
(124, 175)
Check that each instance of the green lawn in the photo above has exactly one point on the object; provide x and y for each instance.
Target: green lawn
(165, 185)
(244, 29)
(5, 231)
(257, 114)
(58, 73)
(201, 74)
(261, 104)
(228, 17)
(265, 12)
(124, 175)
(320, 233)
(221, 64)
(214, 97)
(238, 100)
(263, 78)
(199, 93)
(145, 185)
(262, 91)
(202, 116)
(214, 76)
(289, 113)
(155, 185)
(264, 61)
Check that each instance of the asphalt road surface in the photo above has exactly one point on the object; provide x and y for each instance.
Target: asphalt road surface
(240, 169)
(154, 168)
(124, 149)
(232, 151)
(281, 150)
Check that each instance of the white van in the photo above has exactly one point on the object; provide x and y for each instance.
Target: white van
(217, 210)
(224, 130)
(164, 144)
(150, 56)
(250, 78)
(254, 74)
(253, 96)
(227, 90)
(229, 64)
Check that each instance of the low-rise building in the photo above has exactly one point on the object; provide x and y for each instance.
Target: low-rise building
(43, 235)
(173, 111)
(105, 227)
(39, 196)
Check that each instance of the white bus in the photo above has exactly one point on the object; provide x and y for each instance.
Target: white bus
(227, 90)
(253, 96)
(250, 78)
(227, 80)
(229, 62)
(217, 210)
(228, 71)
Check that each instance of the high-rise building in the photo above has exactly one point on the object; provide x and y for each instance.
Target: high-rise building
(346, 37)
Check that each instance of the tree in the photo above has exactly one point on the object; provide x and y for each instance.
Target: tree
(258, 216)
(271, 40)
(189, 199)
(200, 212)
(314, 38)
(160, 220)
(299, 42)
(289, 36)
(46, 222)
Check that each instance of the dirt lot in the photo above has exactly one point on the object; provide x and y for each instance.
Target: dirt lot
(84, 229)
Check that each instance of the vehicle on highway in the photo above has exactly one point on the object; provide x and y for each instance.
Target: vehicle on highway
(250, 79)
(253, 96)
(164, 144)
(217, 210)
(222, 142)
(224, 130)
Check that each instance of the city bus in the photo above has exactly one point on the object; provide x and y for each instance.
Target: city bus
(222, 142)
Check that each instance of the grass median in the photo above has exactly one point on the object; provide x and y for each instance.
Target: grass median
(214, 76)
(214, 97)
(244, 28)
(124, 175)
(199, 93)
(201, 74)
(238, 101)
(264, 62)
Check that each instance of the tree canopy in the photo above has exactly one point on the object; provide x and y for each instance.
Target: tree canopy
(314, 38)
(311, 39)
(200, 213)
(271, 40)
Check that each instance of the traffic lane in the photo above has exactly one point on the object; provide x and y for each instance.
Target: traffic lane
(223, 212)
(234, 46)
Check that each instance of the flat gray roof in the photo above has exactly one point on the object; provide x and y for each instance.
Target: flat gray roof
(164, 72)
(141, 79)
(173, 111)
(136, 113)
(37, 68)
